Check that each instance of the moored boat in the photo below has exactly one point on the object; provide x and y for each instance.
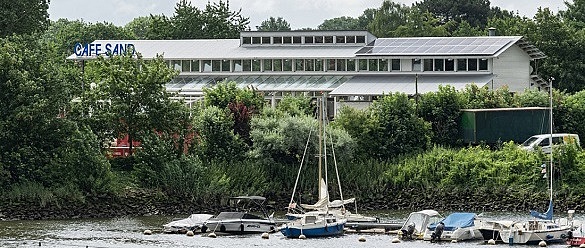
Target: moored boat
(456, 226)
(243, 220)
(416, 224)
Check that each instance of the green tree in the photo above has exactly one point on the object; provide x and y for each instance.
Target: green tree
(475, 12)
(218, 141)
(296, 105)
(23, 17)
(341, 23)
(420, 24)
(442, 110)
(274, 24)
(398, 130)
(128, 97)
(575, 14)
(572, 122)
(140, 27)
(388, 18)
(358, 124)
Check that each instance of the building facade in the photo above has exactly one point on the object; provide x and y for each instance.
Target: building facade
(350, 67)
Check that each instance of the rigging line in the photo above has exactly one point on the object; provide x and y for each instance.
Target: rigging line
(337, 173)
(300, 168)
(323, 118)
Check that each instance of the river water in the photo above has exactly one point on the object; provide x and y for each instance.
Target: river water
(128, 232)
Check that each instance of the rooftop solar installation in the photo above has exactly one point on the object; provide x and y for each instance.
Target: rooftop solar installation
(431, 46)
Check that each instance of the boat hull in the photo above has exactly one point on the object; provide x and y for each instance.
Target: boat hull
(240, 226)
(534, 237)
(576, 241)
(294, 231)
(488, 234)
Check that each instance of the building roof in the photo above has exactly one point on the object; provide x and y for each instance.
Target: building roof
(408, 84)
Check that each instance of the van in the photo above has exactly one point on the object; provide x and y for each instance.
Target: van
(543, 141)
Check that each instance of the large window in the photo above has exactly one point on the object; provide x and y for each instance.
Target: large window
(351, 64)
(194, 65)
(461, 64)
(383, 65)
(427, 64)
(416, 65)
(483, 64)
(363, 64)
(299, 65)
(287, 64)
(267, 65)
(256, 65)
(186, 65)
(341, 65)
(372, 65)
(449, 65)
(238, 66)
(310, 65)
(395, 65)
(472, 64)
(330, 64)
(206, 65)
(277, 63)
(176, 64)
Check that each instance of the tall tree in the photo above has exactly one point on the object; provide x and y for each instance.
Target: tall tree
(388, 18)
(475, 12)
(274, 24)
(128, 97)
(23, 17)
(341, 23)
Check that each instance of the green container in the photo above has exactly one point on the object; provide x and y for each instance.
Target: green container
(491, 126)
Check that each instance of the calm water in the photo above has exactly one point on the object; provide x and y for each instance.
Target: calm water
(128, 232)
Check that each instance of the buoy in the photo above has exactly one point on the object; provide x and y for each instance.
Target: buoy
(362, 239)
(147, 232)
(491, 242)
(542, 243)
(190, 233)
(582, 246)
(454, 241)
(302, 236)
(265, 236)
(395, 240)
(212, 235)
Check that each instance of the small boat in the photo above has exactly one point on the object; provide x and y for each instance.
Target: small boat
(242, 221)
(314, 224)
(535, 231)
(456, 226)
(416, 224)
(491, 229)
(192, 223)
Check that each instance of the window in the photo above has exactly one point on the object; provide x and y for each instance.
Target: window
(256, 65)
(255, 40)
(225, 65)
(545, 142)
(309, 39)
(339, 39)
(416, 66)
(319, 65)
(341, 65)
(318, 39)
(267, 65)
(350, 39)
(277, 40)
(310, 65)
(439, 64)
(328, 39)
(299, 65)
(483, 64)
(277, 64)
(372, 65)
(330, 64)
(176, 65)
(287, 65)
(247, 40)
(238, 65)
(194, 65)
(186, 65)
(395, 65)
(472, 64)
(363, 64)
(427, 64)
(287, 40)
(246, 65)
(351, 64)
(449, 65)
(461, 64)
(383, 64)
(297, 39)
(206, 65)
(265, 40)
(360, 39)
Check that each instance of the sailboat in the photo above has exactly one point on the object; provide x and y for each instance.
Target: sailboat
(324, 219)
(543, 228)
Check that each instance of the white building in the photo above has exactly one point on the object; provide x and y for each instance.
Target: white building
(351, 67)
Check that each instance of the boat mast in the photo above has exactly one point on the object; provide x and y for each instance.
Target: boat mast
(551, 138)
(320, 107)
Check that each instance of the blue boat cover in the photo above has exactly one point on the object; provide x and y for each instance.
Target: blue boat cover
(545, 216)
(455, 221)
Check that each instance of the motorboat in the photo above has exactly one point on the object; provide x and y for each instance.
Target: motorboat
(491, 229)
(192, 223)
(456, 226)
(243, 220)
(416, 224)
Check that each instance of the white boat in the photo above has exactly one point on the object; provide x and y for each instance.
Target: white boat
(243, 220)
(416, 224)
(491, 229)
(323, 219)
(192, 223)
(456, 226)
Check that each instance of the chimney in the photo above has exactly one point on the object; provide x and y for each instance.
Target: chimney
(492, 31)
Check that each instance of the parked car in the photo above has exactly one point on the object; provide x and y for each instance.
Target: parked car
(543, 141)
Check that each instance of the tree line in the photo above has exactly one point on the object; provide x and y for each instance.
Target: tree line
(57, 117)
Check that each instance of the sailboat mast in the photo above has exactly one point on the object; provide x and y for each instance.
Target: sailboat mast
(551, 138)
(320, 108)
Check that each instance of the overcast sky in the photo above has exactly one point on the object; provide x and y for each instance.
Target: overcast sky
(298, 13)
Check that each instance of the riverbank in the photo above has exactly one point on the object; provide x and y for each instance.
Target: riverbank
(135, 202)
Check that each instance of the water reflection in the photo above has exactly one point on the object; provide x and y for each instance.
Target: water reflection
(128, 232)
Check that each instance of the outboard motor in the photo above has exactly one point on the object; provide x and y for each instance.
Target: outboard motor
(436, 235)
(407, 233)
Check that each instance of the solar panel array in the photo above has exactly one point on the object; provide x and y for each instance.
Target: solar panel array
(438, 46)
